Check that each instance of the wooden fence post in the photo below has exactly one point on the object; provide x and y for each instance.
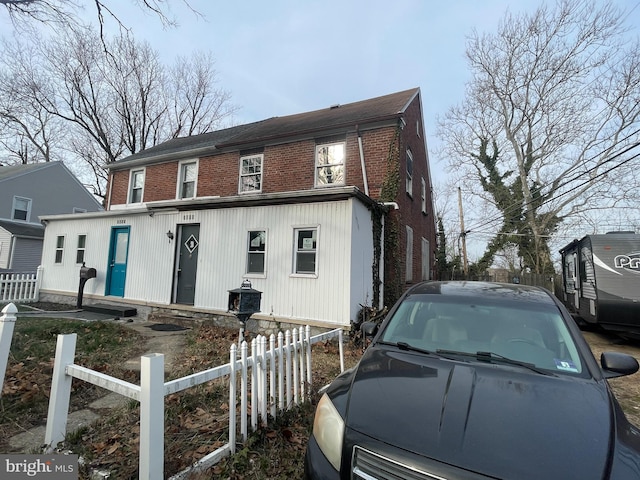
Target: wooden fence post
(60, 391)
(7, 324)
(151, 466)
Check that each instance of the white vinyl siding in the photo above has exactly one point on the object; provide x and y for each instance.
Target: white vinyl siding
(345, 255)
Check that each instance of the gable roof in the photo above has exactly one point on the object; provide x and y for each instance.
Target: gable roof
(377, 109)
(12, 171)
(20, 229)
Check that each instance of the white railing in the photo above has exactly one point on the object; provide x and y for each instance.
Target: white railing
(20, 287)
(276, 379)
(7, 324)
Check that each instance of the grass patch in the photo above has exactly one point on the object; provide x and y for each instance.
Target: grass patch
(27, 383)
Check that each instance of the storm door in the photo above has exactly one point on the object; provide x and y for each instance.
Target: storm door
(118, 254)
(186, 264)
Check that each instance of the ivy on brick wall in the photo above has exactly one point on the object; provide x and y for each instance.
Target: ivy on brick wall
(392, 248)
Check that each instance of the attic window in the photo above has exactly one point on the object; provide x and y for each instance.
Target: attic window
(330, 159)
(21, 209)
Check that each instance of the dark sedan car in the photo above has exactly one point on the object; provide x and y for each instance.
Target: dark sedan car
(474, 380)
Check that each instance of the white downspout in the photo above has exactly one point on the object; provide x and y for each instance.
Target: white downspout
(364, 169)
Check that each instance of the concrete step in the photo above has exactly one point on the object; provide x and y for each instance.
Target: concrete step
(115, 310)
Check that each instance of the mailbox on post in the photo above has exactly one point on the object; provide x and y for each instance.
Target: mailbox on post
(85, 274)
(244, 302)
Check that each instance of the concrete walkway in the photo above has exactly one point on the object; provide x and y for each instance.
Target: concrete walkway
(161, 338)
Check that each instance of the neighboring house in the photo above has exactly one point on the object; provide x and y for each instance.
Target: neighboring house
(26, 193)
(324, 212)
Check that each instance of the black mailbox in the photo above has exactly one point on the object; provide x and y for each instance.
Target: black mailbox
(244, 302)
(85, 274)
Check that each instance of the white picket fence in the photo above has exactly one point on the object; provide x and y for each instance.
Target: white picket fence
(20, 287)
(7, 324)
(276, 379)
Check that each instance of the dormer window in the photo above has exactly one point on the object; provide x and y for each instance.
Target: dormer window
(251, 173)
(330, 159)
(188, 178)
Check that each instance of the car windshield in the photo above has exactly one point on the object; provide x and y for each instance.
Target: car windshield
(534, 334)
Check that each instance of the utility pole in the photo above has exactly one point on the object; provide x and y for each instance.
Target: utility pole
(463, 235)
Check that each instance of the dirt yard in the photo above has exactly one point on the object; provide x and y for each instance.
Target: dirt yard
(626, 389)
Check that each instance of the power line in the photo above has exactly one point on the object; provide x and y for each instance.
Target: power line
(516, 206)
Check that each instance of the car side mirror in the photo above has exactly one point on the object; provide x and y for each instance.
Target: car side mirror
(615, 364)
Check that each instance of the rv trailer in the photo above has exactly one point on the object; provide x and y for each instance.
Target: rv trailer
(601, 280)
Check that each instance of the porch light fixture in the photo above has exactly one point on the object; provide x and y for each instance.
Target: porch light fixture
(170, 235)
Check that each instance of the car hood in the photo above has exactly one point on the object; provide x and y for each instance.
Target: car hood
(502, 421)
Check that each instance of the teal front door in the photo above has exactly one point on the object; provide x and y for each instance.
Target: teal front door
(117, 268)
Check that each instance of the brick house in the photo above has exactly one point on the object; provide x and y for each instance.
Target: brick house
(323, 211)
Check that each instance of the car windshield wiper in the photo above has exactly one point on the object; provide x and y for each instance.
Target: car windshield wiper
(492, 357)
(411, 348)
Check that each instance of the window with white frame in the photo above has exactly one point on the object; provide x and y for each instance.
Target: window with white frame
(251, 173)
(409, 176)
(256, 252)
(188, 178)
(423, 195)
(409, 257)
(306, 250)
(82, 242)
(330, 158)
(59, 248)
(426, 265)
(136, 186)
(21, 209)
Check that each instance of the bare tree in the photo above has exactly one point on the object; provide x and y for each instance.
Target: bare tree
(28, 132)
(64, 13)
(549, 122)
(112, 102)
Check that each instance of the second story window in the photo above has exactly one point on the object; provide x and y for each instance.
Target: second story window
(256, 251)
(330, 164)
(136, 186)
(59, 248)
(21, 209)
(409, 178)
(251, 174)
(82, 241)
(423, 196)
(188, 177)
